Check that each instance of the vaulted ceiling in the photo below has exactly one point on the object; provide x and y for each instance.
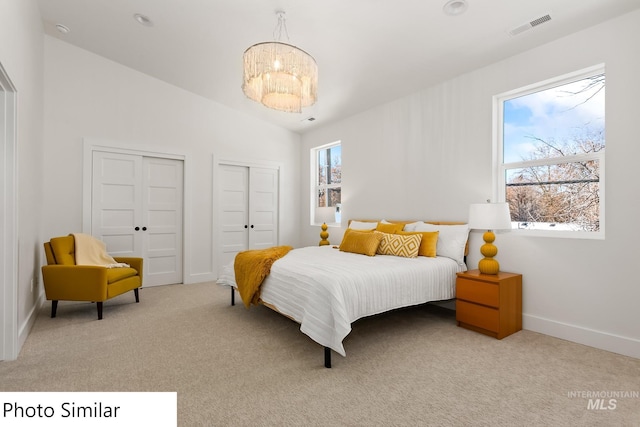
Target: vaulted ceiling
(368, 51)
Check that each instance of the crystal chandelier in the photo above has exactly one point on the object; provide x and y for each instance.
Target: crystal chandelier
(279, 75)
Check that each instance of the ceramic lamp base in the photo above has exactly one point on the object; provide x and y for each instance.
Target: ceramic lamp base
(489, 265)
(324, 234)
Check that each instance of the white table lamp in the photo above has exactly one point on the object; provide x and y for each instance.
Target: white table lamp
(489, 217)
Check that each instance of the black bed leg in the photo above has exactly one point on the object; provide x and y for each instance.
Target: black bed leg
(233, 296)
(327, 357)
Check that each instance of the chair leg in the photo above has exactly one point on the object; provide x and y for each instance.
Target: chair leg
(135, 291)
(54, 308)
(99, 303)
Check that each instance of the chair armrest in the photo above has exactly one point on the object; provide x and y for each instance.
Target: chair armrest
(75, 282)
(135, 263)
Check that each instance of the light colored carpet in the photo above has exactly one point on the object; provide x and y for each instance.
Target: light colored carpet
(232, 366)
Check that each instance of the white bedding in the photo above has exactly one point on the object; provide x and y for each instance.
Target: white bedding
(325, 290)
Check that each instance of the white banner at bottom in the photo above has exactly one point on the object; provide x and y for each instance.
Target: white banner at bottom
(159, 409)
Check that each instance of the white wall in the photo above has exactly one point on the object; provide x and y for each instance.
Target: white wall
(21, 56)
(428, 156)
(90, 97)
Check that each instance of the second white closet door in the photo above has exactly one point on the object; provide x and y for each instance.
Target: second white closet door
(248, 209)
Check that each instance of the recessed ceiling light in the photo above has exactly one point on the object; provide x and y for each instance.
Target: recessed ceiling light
(455, 7)
(143, 20)
(62, 29)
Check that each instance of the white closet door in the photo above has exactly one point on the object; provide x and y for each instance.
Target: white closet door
(115, 202)
(162, 220)
(233, 212)
(263, 208)
(248, 209)
(136, 209)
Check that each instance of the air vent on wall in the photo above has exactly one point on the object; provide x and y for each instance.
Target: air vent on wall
(529, 25)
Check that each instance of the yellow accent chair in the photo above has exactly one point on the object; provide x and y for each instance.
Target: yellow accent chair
(64, 280)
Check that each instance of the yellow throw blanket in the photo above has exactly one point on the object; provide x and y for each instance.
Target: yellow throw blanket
(251, 267)
(91, 251)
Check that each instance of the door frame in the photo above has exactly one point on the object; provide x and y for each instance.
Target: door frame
(9, 347)
(216, 162)
(90, 145)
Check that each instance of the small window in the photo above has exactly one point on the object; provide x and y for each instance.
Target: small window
(550, 149)
(326, 162)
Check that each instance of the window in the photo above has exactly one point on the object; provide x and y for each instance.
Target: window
(326, 164)
(550, 148)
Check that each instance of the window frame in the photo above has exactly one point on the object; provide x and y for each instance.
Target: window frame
(500, 168)
(315, 187)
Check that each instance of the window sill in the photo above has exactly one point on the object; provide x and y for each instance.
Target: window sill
(329, 224)
(559, 234)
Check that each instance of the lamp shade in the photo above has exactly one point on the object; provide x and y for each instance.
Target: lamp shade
(325, 215)
(489, 216)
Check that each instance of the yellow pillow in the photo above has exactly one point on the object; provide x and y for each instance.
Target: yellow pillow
(406, 245)
(353, 230)
(361, 242)
(428, 243)
(384, 227)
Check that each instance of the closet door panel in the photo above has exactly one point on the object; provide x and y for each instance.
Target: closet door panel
(233, 211)
(263, 207)
(116, 196)
(162, 209)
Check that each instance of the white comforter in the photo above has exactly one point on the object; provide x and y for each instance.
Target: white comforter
(326, 290)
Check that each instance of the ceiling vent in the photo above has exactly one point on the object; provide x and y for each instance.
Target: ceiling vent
(529, 25)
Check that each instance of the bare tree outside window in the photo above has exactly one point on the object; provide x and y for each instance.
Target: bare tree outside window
(553, 144)
(328, 166)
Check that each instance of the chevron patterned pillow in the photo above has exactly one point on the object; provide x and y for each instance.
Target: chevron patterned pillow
(406, 245)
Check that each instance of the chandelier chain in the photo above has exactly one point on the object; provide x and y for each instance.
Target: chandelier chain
(280, 27)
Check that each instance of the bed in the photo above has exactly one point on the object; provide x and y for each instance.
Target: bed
(327, 288)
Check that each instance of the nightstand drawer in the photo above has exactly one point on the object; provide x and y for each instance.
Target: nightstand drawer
(480, 292)
(477, 315)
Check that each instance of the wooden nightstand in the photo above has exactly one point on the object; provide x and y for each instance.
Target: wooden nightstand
(489, 303)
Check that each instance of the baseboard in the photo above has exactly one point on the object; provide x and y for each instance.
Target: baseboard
(25, 328)
(598, 339)
(199, 278)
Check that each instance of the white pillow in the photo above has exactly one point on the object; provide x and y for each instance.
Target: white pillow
(361, 225)
(452, 239)
(412, 226)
